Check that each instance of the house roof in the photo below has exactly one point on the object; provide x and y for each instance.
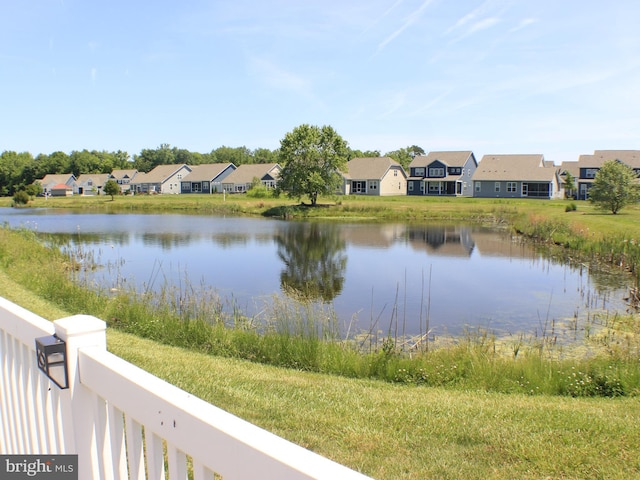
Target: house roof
(160, 173)
(451, 159)
(53, 179)
(206, 172)
(97, 178)
(127, 173)
(514, 167)
(61, 186)
(630, 158)
(247, 172)
(370, 168)
(571, 167)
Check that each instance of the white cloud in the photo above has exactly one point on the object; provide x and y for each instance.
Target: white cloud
(523, 24)
(411, 19)
(279, 78)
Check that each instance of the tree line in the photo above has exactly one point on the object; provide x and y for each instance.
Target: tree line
(19, 170)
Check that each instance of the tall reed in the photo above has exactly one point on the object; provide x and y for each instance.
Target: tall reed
(305, 336)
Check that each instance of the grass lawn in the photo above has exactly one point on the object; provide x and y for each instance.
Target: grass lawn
(391, 431)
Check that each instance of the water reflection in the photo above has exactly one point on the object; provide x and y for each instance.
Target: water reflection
(454, 276)
(315, 260)
(448, 240)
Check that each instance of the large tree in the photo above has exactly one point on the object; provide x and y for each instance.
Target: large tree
(312, 159)
(615, 186)
(404, 156)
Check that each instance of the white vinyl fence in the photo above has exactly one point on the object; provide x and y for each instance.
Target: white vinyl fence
(124, 423)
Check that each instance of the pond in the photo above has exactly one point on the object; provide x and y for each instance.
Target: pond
(403, 278)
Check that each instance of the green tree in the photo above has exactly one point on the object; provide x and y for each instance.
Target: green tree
(20, 198)
(404, 156)
(111, 188)
(312, 158)
(237, 156)
(34, 189)
(615, 186)
(569, 185)
(364, 154)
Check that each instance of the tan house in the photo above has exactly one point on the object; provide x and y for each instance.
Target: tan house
(89, 184)
(379, 176)
(517, 176)
(240, 180)
(51, 181)
(162, 179)
(124, 177)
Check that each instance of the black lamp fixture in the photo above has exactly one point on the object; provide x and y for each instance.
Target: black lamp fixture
(51, 353)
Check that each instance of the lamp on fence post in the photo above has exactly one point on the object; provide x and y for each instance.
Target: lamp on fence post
(51, 353)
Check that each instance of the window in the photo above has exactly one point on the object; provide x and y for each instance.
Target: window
(497, 187)
(395, 173)
(373, 185)
(512, 187)
(590, 172)
(410, 186)
(358, 187)
(537, 189)
(419, 172)
(436, 172)
(478, 186)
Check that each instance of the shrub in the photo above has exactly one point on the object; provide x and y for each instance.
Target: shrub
(20, 198)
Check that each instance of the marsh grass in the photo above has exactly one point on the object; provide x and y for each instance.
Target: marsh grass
(306, 337)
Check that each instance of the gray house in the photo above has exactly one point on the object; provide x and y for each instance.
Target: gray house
(123, 177)
(239, 181)
(162, 179)
(89, 184)
(442, 174)
(206, 178)
(517, 176)
(589, 165)
(57, 182)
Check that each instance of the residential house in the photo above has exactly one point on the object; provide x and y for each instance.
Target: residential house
(50, 181)
(517, 176)
(240, 180)
(442, 173)
(588, 166)
(206, 178)
(162, 179)
(91, 183)
(123, 177)
(572, 169)
(379, 176)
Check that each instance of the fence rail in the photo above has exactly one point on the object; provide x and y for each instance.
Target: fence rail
(125, 423)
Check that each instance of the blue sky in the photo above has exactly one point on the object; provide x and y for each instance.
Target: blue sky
(557, 77)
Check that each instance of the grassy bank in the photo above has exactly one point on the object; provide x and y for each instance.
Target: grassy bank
(398, 432)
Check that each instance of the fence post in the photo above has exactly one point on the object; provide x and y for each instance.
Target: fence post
(80, 331)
